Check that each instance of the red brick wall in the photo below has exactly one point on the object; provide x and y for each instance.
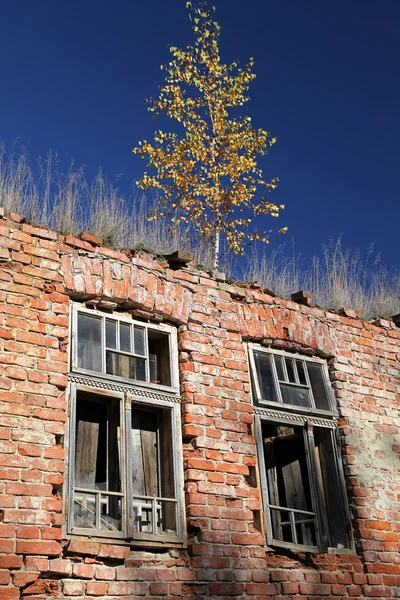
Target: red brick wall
(40, 271)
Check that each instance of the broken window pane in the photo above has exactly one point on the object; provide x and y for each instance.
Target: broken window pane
(111, 512)
(265, 378)
(154, 504)
(159, 357)
(97, 464)
(332, 496)
(288, 484)
(89, 343)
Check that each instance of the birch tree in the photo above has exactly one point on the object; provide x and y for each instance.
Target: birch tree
(208, 174)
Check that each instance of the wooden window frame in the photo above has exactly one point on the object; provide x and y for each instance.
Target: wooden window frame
(165, 329)
(130, 394)
(259, 400)
(128, 401)
(278, 413)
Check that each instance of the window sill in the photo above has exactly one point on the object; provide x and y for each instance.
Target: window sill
(276, 546)
(98, 544)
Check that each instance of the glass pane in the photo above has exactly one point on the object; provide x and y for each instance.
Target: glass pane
(111, 334)
(265, 378)
(290, 370)
(125, 366)
(125, 337)
(279, 368)
(301, 373)
(318, 386)
(111, 513)
(295, 396)
(117, 364)
(159, 357)
(89, 342)
(139, 341)
(138, 369)
(84, 510)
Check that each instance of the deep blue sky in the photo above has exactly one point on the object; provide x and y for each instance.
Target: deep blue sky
(74, 76)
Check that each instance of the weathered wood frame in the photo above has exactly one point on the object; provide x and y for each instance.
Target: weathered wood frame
(308, 418)
(130, 393)
(259, 400)
(165, 329)
(315, 484)
(128, 398)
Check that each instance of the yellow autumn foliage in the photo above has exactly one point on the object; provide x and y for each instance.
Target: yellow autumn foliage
(209, 175)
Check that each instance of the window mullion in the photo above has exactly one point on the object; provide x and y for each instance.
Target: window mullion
(340, 476)
(321, 525)
(71, 458)
(176, 428)
(295, 371)
(285, 373)
(263, 478)
(103, 345)
(147, 354)
(275, 376)
(128, 467)
(255, 376)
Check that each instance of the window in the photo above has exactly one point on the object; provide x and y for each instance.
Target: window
(121, 348)
(124, 451)
(300, 466)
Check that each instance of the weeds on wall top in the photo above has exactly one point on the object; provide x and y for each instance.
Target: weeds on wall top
(70, 203)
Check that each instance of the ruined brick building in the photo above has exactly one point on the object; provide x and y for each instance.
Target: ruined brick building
(165, 434)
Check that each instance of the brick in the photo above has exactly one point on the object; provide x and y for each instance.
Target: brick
(83, 571)
(231, 589)
(49, 548)
(73, 588)
(24, 578)
(96, 589)
(60, 567)
(103, 572)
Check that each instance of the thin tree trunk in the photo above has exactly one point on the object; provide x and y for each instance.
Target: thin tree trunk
(216, 249)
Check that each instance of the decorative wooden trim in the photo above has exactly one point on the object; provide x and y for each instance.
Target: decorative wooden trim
(131, 390)
(280, 415)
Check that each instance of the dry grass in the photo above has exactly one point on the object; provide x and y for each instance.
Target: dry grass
(70, 203)
(338, 278)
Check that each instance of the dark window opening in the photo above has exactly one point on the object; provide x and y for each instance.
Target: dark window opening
(97, 491)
